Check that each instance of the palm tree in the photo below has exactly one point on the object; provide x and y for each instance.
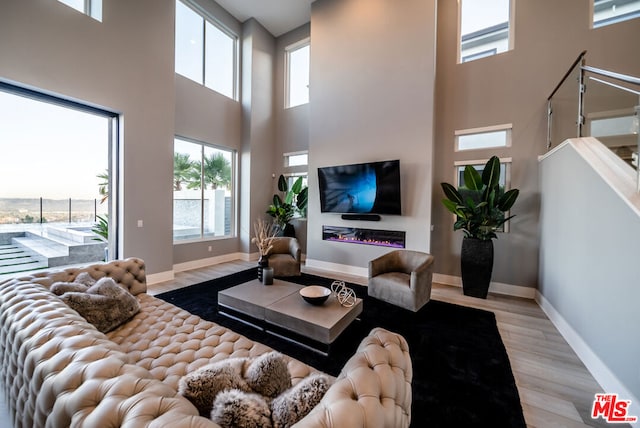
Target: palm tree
(103, 185)
(217, 171)
(182, 170)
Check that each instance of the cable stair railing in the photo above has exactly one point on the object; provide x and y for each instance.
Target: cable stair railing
(594, 102)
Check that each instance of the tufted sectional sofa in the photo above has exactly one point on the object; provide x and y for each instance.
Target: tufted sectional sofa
(58, 370)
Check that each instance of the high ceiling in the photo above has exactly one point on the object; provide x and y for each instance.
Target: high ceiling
(277, 16)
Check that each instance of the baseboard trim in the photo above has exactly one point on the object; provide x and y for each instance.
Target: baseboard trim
(156, 278)
(336, 267)
(494, 287)
(209, 261)
(598, 369)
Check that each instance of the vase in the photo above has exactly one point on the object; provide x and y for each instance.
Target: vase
(263, 262)
(267, 276)
(476, 262)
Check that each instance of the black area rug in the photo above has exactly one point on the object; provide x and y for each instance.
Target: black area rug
(461, 371)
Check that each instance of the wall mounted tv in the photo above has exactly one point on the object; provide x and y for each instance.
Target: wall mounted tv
(365, 188)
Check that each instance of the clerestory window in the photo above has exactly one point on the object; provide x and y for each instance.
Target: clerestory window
(297, 77)
(485, 28)
(93, 8)
(205, 51)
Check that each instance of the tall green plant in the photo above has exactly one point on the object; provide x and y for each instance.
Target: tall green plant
(480, 204)
(101, 228)
(283, 208)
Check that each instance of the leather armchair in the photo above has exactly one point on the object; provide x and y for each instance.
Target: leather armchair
(285, 256)
(402, 278)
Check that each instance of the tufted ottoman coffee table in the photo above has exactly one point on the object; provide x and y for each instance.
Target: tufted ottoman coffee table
(279, 309)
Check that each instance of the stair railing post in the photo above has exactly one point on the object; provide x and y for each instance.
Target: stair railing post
(581, 90)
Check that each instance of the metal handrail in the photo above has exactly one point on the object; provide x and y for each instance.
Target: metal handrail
(567, 74)
(618, 76)
(613, 85)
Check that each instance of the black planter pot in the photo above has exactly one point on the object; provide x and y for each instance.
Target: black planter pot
(476, 265)
(289, 231)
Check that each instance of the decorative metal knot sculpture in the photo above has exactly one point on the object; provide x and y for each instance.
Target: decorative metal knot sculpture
(346, 296)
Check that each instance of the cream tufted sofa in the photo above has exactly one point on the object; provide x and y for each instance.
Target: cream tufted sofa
(57, 370)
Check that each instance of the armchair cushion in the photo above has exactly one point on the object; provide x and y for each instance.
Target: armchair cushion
(285, 256)
(402, 278)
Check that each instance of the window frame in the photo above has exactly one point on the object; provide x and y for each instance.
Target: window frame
(288, 50)
(483, 54)
(233, 192)
(508, 127)
(593, 24)
(207, 18)
(92, 8)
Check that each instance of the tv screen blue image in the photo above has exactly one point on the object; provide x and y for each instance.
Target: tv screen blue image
(372, 188)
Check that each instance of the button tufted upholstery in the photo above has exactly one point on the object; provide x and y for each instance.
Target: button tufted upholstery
(57, 370)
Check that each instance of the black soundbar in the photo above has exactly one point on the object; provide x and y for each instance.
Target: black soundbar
(366, 217)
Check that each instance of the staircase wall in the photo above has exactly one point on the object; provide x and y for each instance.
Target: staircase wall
(589, 253)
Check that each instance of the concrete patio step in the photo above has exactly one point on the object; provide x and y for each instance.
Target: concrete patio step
(14, 259)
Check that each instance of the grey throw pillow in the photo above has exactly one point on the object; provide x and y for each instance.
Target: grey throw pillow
(293, 405)
(203, 385)
(105, 304)
(235, 408)
(268, 374)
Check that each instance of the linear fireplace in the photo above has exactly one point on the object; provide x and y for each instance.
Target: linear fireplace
(356, 235)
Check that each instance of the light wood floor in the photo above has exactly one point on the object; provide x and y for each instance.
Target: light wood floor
(555, 388)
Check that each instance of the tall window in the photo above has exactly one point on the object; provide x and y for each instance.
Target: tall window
(485, 28)
(606, 12)
(297, 77)
(203, 178)
(205, 52)
(93, 8)
(57, 180)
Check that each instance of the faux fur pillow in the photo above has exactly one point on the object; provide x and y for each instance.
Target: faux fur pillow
(235, 408)
(59, 288)
(268, 375)
(85, 278)
(203, 385)
(105, 304)
(296, 403)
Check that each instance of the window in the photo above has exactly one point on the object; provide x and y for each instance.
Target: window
(606, 12)
(39, 133)
(93, 8)
(484, 138)
(296, 159)
(203, 178)
(297, 78)
(485, 28)
(205, 52)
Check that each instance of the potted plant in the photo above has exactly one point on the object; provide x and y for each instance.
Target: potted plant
(480, 207)
(283, 209)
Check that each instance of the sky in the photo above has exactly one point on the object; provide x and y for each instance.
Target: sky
(479, 14)
(50, 151)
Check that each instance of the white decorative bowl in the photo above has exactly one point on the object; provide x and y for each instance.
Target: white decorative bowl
(315, 294)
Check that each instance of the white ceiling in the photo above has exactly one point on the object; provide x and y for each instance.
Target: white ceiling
(277, 16)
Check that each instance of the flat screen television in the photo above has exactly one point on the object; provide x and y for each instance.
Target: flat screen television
(371, 188)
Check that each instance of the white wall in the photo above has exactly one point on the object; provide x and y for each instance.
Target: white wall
(371, 98)
(589, 283)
